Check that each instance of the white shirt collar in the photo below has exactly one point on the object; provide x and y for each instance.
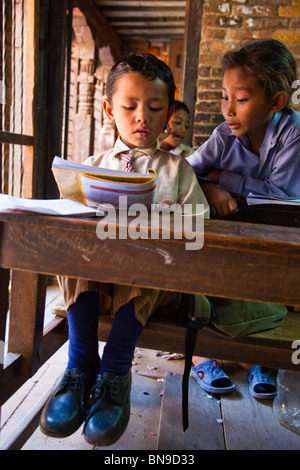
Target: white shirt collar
(120, 147)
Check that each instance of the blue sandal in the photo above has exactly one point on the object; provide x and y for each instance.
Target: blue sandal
(213, 379)
(261, 383)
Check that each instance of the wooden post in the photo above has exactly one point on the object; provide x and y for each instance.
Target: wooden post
(4, 281)
(32, 14)
(192, 37)
(28, 293)
(84, 130)
(50, 94)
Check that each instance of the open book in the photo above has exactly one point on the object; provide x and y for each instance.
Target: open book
(253, 199)
(92, 185)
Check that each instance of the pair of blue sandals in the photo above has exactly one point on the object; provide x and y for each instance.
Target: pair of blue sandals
(213, 379)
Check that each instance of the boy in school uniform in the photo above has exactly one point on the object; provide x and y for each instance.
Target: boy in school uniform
(256, 149)
(140, 96)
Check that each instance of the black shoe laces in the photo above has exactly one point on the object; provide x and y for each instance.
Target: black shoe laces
(100, 390)
(73, 383)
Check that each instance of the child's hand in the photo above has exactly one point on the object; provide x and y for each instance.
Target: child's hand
(214, 175)
(220, 201)
(165, 133)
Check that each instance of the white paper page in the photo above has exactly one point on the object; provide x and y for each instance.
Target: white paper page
(67, 164)
(253, 199)
(62, 207)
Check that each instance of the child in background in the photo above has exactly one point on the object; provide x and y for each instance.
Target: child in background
(177, 129)
(256, 149)
(140, 95)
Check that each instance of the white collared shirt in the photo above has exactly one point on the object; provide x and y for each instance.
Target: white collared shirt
(176, 181)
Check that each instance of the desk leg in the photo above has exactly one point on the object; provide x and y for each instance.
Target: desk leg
(4, 283)
(28, 292)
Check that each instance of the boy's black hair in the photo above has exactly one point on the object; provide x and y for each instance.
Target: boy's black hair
(181, 105)
(269, 60)
(146, 65)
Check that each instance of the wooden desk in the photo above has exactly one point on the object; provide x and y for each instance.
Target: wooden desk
(283, 215)
(258, 253)
(238, 260)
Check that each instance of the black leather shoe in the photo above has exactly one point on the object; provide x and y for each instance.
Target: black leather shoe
(109, 409)
(65, 410)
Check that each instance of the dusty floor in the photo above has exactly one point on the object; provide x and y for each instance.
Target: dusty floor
(233, 422)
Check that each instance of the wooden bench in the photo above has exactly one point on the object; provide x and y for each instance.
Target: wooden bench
(238, 260)
(271, 348)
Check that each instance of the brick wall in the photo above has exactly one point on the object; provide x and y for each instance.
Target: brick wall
(224, 25)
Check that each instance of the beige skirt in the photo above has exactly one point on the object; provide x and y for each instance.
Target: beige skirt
(113, 296)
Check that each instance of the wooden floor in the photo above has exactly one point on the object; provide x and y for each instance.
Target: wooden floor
(233, 422)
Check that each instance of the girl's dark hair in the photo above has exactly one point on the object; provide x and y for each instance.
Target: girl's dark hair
(181, 105)
(269, 61)
(146, 65)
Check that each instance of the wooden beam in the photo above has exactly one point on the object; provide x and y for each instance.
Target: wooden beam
(26, 427)
(11, 379)
(102, 32)
(152, 23)
(15, 139)
(144, 14)
(140, 4)
(157, 31)
(54, 336)
(270, 348)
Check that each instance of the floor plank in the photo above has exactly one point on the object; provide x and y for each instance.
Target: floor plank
(140, 434)
(204, 432)
(249, 423)
(142, 430)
